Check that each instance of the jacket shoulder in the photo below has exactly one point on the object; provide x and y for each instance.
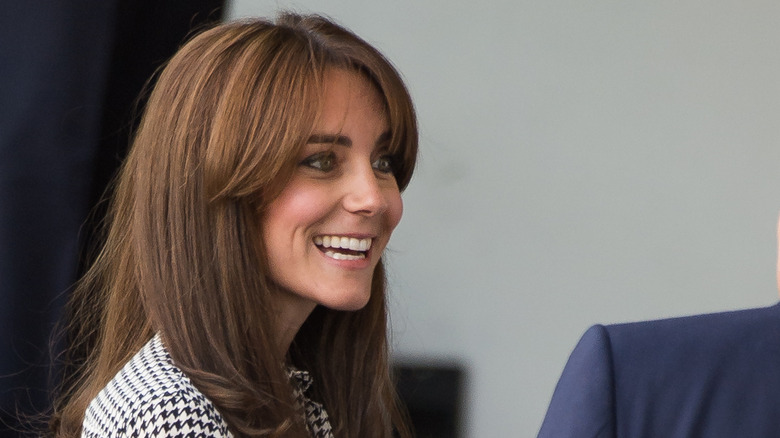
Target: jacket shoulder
(707, 375)
(583, 403)
(150, 396)
(705, 336)
(704, 375)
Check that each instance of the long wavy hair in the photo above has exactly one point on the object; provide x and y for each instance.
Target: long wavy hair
(183, 253)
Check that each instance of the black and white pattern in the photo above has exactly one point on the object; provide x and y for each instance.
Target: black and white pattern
(317, 422)
(151, 397)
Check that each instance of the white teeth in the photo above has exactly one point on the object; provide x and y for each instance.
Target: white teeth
(340, 256)
(336, 242)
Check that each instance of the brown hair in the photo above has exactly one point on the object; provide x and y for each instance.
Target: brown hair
(183, 253)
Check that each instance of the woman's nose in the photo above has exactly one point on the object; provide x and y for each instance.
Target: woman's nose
(364, 193)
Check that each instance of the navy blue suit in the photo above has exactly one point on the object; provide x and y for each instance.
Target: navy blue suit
(715, 375)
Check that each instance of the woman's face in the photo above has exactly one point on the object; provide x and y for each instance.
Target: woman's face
(326, 231)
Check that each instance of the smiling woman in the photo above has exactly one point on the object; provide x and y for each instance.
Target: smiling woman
(241, 290)
(325, 232)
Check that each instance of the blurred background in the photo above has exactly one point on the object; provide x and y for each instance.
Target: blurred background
(582, 162)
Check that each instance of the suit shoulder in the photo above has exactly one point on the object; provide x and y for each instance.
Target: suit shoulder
(150, 396)
(583, 402)
(710, 353)
(689, 376)
(723, 330)
(692, 376)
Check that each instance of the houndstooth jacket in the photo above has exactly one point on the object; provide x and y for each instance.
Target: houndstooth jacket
(151, 397)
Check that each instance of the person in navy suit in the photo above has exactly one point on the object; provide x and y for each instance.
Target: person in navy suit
(714, 375)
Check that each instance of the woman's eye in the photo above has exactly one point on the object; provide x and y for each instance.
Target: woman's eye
(323, 161)
(383, 164)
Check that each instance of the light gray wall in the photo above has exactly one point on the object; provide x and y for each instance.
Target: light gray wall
(582, 162)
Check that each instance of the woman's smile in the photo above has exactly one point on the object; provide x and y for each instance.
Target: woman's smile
(343, 247)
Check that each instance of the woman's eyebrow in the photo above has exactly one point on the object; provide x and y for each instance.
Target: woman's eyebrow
(330, 139)
(343, 140)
